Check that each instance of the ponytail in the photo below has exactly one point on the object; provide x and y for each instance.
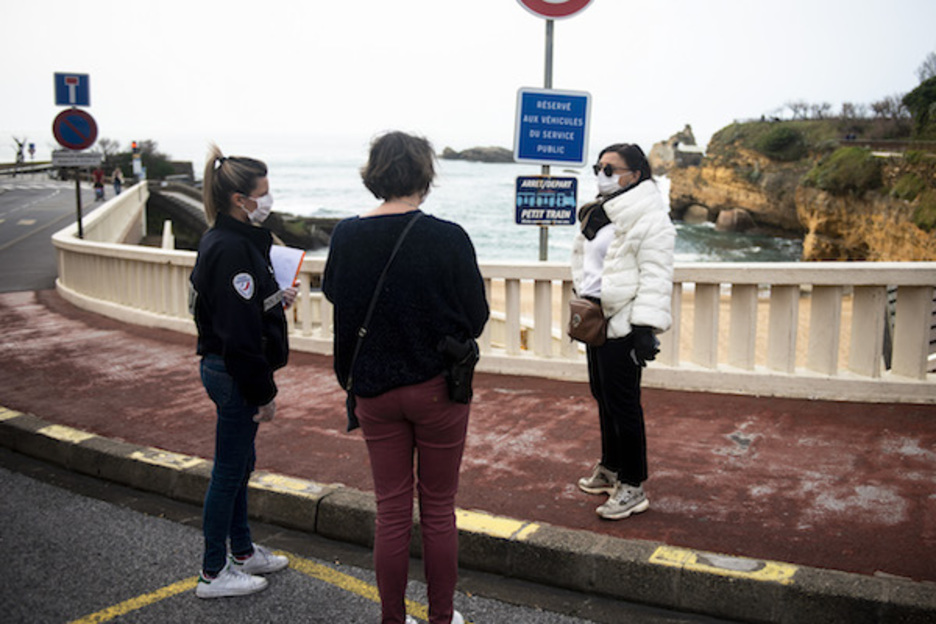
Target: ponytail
(225, 176)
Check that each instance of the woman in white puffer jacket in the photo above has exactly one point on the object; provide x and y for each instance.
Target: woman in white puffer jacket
(622, 258)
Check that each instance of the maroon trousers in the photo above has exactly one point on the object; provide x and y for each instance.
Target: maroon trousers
(415, 420)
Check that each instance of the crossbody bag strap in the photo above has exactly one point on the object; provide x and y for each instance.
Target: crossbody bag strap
(362, 330)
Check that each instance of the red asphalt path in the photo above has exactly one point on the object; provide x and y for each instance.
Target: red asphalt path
(844, 486)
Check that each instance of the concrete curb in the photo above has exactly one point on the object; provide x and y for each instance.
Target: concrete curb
(638, 571)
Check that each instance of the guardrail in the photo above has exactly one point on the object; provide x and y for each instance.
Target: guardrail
(14, 169)
(813, 330)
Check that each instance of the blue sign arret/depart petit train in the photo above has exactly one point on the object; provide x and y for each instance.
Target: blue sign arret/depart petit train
(72, 90)
(546, 200)
(552, 127)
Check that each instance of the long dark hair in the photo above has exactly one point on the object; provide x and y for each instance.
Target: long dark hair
(634, 157)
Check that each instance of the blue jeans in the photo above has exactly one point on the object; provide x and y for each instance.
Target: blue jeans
(225, 512)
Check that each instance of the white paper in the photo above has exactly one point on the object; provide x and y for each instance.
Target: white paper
(286, 262)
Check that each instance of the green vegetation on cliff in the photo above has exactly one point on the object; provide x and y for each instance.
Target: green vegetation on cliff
(848, 170)
(922, 105)
(782, 141)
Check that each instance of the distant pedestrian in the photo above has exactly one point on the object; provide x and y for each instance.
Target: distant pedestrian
(238, 310)
(97, 179)
(117, 178)
(432, 295)
(622, 258)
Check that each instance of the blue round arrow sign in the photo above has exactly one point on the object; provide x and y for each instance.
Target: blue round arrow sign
(74, 129)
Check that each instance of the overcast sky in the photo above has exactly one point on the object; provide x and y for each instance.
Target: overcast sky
(186, 72)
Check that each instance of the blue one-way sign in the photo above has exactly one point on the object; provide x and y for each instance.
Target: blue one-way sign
(552, 127)
(72, 90)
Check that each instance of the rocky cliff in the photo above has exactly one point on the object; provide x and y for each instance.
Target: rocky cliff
(680, 150)
(748, 181)
(798, 179)
(882, 224)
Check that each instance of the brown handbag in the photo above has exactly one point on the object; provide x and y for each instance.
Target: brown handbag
(587, 322)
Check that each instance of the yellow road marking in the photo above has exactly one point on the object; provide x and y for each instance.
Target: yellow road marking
(66, 434)
(495, 526)
(139, 602)
(26, 222)
(279, 483)
(158, 457)
(7, 414)
(317, 571)
(350, 584)
(723, 565)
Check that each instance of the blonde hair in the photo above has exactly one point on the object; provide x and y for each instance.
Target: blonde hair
(225, 176)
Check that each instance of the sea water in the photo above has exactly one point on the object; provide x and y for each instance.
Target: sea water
(318, 178)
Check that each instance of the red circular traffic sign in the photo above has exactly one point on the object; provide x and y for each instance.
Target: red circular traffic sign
(74, 129)
(554, 9)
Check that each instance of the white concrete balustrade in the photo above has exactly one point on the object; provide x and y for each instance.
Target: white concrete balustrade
(813, 330)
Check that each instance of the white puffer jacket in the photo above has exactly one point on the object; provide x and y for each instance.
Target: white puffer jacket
(637, 279)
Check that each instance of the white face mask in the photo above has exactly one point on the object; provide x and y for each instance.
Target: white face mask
(263, 210)
(608, 184)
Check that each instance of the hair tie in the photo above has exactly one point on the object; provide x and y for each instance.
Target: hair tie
(219, 160)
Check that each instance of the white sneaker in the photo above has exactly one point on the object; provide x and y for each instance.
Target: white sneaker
(601, 481)
(456, 619)
(262, 561)
(624, 501)
(229, 582)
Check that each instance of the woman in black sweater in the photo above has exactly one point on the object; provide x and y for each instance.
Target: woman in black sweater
(433, 289)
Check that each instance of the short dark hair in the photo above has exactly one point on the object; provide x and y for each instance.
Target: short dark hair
(399, 165)
(634, 157)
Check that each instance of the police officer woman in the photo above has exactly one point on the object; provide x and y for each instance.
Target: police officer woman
(238, 310)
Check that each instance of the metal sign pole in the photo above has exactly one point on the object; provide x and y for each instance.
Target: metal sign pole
(78, 199)
(547, 83)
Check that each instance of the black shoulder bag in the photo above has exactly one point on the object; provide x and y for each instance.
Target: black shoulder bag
(350, 402)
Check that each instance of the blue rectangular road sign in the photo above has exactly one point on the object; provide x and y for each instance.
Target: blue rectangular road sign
(546, 200)
(72, 90)
(552, 126)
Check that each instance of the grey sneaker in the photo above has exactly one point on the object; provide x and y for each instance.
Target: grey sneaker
(262, 561)
(229, 582)
(624, 501)
(601, 481)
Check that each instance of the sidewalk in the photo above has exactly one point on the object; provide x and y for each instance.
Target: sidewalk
(828, 486)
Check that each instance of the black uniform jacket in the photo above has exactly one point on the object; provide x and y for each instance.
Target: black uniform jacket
(238, 306)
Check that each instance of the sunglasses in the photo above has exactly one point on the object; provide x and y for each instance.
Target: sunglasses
(608, 169)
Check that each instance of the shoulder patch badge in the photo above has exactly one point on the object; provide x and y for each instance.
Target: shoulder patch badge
(244, 285)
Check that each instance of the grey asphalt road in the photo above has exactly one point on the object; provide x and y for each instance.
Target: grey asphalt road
(77, 549)
(32, 209)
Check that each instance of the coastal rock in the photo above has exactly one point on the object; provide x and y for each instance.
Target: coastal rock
(874, 227)
(680, 150)
(696, 214)
(748, 180)
(479, 154)
(307, 233)
(734, 220)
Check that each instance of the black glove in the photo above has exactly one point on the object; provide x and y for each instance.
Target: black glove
(646, 345)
